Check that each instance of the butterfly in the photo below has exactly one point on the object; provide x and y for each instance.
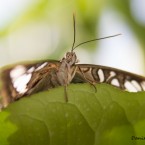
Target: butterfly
(23, 79)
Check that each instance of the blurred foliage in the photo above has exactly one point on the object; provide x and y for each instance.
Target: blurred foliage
(123, 7)
(58, 13)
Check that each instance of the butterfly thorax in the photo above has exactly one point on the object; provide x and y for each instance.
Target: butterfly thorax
(67, 68)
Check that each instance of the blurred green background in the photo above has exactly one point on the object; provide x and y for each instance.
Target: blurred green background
(43, 29)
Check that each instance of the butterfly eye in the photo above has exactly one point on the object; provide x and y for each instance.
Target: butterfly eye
(68, 54)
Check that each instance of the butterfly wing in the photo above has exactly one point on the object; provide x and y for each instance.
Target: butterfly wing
(27, 78)
(102, 74)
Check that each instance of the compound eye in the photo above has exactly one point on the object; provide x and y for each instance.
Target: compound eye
(68, 54)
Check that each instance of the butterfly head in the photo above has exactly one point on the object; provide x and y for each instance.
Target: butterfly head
(71, 58)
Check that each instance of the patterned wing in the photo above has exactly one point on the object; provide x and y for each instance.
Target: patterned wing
(27, 78)
(102, 74)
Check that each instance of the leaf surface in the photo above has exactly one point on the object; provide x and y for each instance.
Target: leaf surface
(107, 117)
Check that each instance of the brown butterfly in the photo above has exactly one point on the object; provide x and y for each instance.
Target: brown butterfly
(26, 79)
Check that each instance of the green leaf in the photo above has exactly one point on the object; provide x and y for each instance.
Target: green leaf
(106, 117)
(6, 128)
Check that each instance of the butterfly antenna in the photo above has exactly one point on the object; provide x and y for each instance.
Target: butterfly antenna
(74, 25)
(95, 40)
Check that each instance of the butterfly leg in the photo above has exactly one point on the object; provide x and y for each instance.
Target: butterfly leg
(65, 93)
(68, 80)
(92, 83)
